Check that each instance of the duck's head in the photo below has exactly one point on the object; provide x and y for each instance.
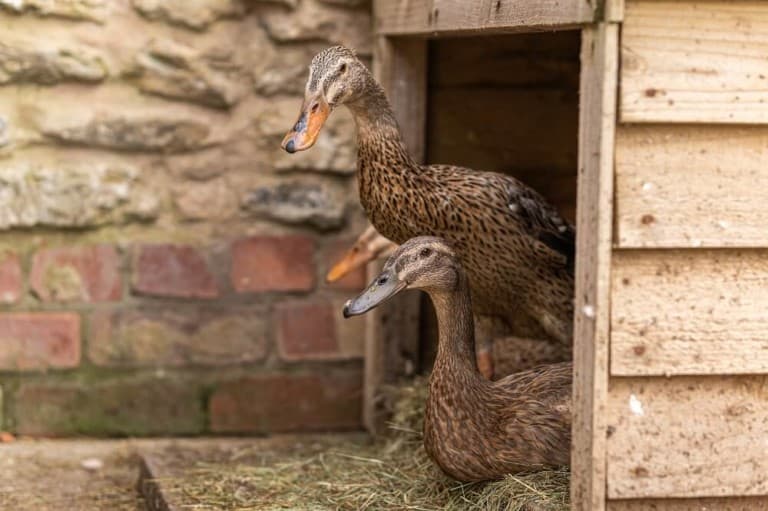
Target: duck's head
(369, 246)
(425, 263)
(336, 77)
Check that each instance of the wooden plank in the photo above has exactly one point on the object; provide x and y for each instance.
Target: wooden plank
(392, 330)
(687, 437)
(614, 10)
(691, 186)
(719, 504)
(597, 119)
(441, 17)
(689, 312)
(694, 61)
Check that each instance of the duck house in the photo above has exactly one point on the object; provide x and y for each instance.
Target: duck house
(644, 121)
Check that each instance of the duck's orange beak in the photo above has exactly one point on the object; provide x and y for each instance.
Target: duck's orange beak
(355, 257)
(314, 112)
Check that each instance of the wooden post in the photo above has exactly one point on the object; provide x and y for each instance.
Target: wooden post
(597, 122)
(392, 330)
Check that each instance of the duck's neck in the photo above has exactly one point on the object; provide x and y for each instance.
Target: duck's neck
(456, 348)
(378, 134)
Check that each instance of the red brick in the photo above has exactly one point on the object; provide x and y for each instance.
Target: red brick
(173, 270)
(39, 340)
(125, 405)
(88, 274)
(273, 263)
(10, 278)
(288, 402)
(354, 280)
(306, 330)
(177, 335)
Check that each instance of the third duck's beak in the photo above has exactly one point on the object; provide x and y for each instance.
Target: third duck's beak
(314, 112)
(384, 287)
(355, 257)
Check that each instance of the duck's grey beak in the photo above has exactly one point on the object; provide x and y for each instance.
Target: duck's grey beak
(384, 287)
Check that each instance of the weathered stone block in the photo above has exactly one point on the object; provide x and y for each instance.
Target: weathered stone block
(288, 402)
(176, 71)
(313, 21)
(321, 205)
(273, 263)
(194, 14)
(173, 270)
(84, 274)
(161, 134)
(177, 335)
(67, 196)
(11, 283)
(211, 200)
(283, 69)
(117, 406)
(35, 63)
(91, 10)
(306, 330)
(39, 340)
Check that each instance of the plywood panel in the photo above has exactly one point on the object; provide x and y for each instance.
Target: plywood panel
(694, 61)
(514, 109)
(692, 186)
(689, 312)
(714, 504)
(436, 17)
(687, 437)
(472, 127)
(597, 119)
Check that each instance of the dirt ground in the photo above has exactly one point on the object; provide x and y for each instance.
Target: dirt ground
(69, 475)
(96, 475)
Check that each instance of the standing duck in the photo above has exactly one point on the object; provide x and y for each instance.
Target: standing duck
(474, 429)
(517, 250)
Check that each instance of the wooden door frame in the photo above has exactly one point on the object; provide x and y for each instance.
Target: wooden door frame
(400, 64)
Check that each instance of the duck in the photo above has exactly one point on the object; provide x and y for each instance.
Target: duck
(474, 429)
(498, 353)
(516, 248)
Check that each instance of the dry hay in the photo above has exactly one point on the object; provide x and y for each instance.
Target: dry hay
(391, 473)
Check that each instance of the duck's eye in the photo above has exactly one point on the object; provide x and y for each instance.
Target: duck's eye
(425, 252)
(343, 68)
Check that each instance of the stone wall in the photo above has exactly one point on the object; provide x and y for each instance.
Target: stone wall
(161, 259)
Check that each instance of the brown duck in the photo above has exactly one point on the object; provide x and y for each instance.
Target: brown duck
(474, 429)
(517, 250)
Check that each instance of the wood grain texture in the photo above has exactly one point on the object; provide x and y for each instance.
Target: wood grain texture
(597, 120)
(689, 312)
(694, 61)
(392, 330)
(471, 127)
(687, 437)
(713, 504)
(438, 17)
(692, 186)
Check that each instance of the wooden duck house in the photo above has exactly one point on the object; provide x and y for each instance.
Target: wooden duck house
(649, 119)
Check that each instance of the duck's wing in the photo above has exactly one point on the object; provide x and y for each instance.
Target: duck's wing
(540, 220)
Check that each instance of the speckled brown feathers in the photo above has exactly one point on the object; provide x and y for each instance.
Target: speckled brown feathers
(475, 429)
(517, 250)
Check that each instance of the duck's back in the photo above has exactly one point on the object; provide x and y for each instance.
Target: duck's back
(515, 247)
